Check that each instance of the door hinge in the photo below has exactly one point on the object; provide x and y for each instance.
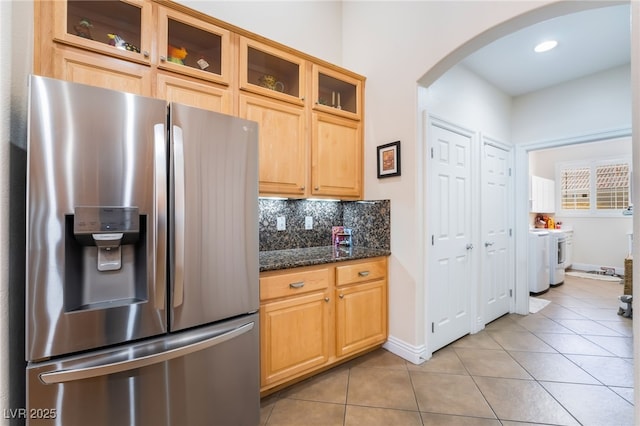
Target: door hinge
(433, 241)
(510, 292)
(433, 327)
(510, 232)
(509, 171)
(432, 153)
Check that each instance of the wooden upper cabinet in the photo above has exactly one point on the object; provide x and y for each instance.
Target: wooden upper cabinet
(121, 29)
(271, 72)
(336, 157)
(193, 47)
(282, 144)
(336, 93)
(194, 93)
(75, 65)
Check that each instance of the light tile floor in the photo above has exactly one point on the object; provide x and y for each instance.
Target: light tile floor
(569, 364)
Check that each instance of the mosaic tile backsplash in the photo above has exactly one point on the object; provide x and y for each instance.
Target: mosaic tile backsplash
(369, 221)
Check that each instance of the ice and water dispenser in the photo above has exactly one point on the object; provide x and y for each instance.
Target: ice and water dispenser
(105, 257)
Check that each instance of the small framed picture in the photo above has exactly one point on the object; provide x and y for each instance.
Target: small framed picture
(389, 160)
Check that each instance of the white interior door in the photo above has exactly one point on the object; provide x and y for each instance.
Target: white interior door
(496, 249)
(449, 207)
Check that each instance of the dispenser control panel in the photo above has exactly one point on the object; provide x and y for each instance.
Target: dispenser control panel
(98, 220)
(106, 219)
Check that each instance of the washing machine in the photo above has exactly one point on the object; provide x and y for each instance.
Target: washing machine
(538, 262)
(557, 256)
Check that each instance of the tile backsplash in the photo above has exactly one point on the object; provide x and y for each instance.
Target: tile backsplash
(369, 221)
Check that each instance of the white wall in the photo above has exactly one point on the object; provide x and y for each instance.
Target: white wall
(597, 241)
(313, 27)
(592, 104)
(465, 99)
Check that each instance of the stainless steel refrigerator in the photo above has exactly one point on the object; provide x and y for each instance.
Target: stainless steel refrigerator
(142, 261)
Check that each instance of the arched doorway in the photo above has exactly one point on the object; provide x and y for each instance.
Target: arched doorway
(440, 69)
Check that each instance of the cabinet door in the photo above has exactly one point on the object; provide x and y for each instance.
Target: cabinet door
(294, 336)
(117, 28)
(97, 70)
(271, 72)
(336, 157)
(189, 46)
(282, 144)
(336, 93)
(361, 316)
(195, 94)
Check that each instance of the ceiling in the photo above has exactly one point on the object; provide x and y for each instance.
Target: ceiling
(588, 42)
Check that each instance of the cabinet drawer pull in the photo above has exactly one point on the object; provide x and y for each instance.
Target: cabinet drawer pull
(363, 273)
(297, 285)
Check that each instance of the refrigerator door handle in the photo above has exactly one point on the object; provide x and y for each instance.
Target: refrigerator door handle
(179, 216)
(160, 228)
(68, 375)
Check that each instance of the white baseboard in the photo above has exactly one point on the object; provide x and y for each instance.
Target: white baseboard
(586, 267)
(414, 354)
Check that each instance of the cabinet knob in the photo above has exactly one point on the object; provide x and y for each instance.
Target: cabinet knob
(326, 299)
(342, 296)
(316, 188)
(163, 58)
(302, 188)
(146, 53)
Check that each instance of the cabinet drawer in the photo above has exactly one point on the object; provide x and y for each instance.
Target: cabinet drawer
(291, 284)
(359, 272)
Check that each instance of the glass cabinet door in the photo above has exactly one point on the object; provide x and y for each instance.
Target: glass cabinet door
(116, 28)
(190, 46)
(271, 72)
(336, 93)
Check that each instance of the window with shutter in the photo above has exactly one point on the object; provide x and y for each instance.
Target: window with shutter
(574, 188)
(612, 186)
(594, 187)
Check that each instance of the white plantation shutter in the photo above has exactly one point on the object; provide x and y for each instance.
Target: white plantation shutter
(594, 187)
(612, 186)
(575, 188)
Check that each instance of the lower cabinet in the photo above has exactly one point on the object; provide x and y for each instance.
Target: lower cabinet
(361, 317)
(314, 317)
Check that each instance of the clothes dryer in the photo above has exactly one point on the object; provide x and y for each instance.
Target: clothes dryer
(538, 262)
(557, 256)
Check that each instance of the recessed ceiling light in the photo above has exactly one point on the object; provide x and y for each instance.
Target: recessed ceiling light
(545, 46)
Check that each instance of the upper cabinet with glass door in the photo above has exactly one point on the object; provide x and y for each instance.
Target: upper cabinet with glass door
(271, 72)
(336, 92)
(193, 47)
(116, 28)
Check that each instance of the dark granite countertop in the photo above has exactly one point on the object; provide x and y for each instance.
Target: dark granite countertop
(293, 258)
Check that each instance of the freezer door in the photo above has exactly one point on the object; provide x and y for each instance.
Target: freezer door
(208, 376)
(96, 218)
(214, 205)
